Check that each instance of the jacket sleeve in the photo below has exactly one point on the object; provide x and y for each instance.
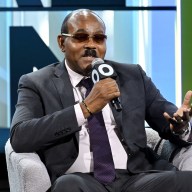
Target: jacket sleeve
(32, 128)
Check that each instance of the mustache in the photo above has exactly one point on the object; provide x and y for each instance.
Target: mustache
(90, 53)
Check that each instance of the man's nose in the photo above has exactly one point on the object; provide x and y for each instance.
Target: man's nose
(90, 42)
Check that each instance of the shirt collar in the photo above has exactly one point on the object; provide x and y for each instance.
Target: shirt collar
(75, 78)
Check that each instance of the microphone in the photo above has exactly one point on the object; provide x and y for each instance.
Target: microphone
(102, 70)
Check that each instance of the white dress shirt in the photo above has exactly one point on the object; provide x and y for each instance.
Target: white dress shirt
(84, 161)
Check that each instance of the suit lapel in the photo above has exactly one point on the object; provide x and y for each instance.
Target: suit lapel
(122, 125)
(63, 86)
(117, 115)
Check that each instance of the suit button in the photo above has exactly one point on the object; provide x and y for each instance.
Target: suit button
(68, 129)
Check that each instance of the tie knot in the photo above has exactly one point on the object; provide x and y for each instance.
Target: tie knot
(87, 83)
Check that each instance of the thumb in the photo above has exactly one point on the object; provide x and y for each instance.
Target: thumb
(168, 118)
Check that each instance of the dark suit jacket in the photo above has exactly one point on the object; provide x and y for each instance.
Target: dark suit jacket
(45, 120)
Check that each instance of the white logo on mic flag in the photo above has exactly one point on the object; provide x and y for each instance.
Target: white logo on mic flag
(104, 69)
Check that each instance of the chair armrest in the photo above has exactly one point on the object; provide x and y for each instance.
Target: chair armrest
(167, 150)
(162, 147)
(26, 171)
(153, 138)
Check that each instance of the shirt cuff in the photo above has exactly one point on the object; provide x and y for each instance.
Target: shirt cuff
(190, 131)
(187, 136)
(79, 115)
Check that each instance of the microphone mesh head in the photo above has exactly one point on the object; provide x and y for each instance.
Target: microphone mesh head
(97, 61)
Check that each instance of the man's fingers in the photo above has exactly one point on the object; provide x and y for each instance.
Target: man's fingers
(169, 118)
(190, 111)
(176, 121)
(186, 115)
(179, 119)
(166, 115)
(187, 99)
(173, 121)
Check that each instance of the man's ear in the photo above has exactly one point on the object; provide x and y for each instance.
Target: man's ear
(60, 40)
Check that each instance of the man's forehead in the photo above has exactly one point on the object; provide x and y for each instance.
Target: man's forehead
(83, 15)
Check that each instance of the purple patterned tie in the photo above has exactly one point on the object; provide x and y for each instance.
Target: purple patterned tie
(104, 170)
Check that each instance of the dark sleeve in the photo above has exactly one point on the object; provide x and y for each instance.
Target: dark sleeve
(32, 129)
(156, 105)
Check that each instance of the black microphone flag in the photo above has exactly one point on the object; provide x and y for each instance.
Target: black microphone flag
(102, 70)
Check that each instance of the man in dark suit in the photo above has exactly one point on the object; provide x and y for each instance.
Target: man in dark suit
(53, 108)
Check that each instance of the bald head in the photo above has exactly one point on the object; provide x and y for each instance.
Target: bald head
(79, 14)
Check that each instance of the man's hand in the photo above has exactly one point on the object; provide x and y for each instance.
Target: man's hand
(181, 118)
(102, 93)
